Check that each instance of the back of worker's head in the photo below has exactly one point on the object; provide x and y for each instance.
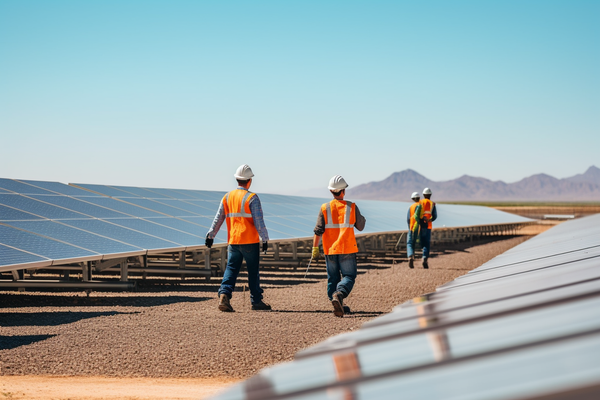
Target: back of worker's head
(415, 196)
(427, 193)
(337, 185)
(243, 174)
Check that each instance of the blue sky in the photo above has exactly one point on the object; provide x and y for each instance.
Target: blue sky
(179, 93)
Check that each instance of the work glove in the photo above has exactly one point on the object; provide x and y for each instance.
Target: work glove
(315, 253)
(208, 242)
(265, 246)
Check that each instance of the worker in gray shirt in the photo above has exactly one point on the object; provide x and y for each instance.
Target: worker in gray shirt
(335, 224)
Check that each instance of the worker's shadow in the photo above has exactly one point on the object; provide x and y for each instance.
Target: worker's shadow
(351, 314)
(12, 342)
(136, 300)
(51, 318)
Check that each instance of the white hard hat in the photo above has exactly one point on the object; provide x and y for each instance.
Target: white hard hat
(415, 195)
(337, 183)
(426, 191)
(244, 172)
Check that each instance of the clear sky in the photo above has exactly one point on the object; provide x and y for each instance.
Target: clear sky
(179, 93)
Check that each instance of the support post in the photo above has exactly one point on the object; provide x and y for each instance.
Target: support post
(124, 271)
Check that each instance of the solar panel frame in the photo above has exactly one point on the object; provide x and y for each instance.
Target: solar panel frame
(16, 186)
(59, 188)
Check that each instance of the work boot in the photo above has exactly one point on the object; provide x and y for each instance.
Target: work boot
(425, 265)
(224, 304)
(338, 304)
(261, 306)
(347, 310)
(411, 262)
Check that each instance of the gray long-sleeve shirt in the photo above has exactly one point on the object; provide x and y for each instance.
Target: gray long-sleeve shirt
(320, 227)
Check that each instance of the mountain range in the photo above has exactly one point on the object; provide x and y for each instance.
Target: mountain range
(540, 187)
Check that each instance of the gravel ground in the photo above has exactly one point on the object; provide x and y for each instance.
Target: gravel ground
(176, 330)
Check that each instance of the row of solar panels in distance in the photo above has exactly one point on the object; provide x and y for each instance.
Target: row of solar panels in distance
(381, 216)
(526, 323)
(57, 221)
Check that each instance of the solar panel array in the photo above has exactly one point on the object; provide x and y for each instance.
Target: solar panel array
(50, 223)
(525, 325)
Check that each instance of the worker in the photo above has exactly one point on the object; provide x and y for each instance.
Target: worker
(245, 228)
(425, 213)
(335, 223)
(413, 229)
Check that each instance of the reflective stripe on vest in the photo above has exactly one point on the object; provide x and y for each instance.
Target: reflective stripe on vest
(345, 224)
(240, 225)
(243, 213)
(338, 238)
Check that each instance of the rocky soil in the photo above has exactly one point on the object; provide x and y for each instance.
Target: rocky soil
(175, 329)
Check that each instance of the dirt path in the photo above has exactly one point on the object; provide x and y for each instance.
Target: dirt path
(104, 388)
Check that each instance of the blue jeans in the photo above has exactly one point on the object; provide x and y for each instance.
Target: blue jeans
(344, 265)
(236, 253)
(411, 240)
(425, 238)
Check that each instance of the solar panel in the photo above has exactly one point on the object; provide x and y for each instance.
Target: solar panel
(112, 220)
(37, 207)
(19, 187)
(11, 256)
(40, 246)
(160, 207)
(512, 336)
(125, 235)
(12, 214)
(153, 228)
(59, 188)
(105, 190)
(83, 239)
(123, 207)
(79, 205)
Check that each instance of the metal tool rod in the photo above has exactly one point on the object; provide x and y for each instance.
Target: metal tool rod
(308, 267)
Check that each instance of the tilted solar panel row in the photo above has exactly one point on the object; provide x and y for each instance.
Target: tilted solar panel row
(525, 325)
(42, 223)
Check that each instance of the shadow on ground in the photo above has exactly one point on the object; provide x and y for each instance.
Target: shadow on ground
(11, 342)
(50, 318)
(17, 300)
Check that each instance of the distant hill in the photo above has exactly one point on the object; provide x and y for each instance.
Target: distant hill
(540, 187)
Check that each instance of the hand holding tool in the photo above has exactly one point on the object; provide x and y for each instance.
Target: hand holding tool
(315, 253)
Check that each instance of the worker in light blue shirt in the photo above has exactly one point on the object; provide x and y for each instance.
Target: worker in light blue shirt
(242, 211)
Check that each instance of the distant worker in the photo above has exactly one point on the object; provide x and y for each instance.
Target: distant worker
(335, 223)
(413, 229)
(245, 228)
(425, 213)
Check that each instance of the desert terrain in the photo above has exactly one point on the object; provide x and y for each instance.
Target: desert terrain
(168, 340)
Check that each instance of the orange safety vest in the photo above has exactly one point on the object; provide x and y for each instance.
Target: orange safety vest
(340, 217)
(240, 225)
(412, 209)
(426, 210)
